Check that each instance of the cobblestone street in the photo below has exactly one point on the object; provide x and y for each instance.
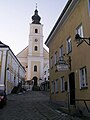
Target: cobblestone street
(31, 105)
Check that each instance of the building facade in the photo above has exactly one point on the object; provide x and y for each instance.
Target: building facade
(70, 60)
(11, 71)
(45, 82)
(34, 56)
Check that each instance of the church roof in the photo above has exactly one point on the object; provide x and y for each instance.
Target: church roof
(24, 53)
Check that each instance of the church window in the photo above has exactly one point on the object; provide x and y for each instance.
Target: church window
(35, 68)
(36, 30)
(35, 48)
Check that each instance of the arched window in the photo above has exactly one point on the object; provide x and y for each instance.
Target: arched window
(35, 48)
(35, 68)
(36, 30)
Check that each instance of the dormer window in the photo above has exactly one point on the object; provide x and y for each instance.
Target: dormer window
(36, 30)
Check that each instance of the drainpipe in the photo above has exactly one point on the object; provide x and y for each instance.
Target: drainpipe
(5, 71)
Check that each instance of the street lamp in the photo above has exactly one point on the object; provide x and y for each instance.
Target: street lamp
(78, 38)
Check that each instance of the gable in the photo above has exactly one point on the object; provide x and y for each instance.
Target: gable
(23, 53)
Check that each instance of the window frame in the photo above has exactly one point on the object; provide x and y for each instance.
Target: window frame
(79, 30)
(52, 87)
(35, 68)
(51, 62)
(83, 77)
(55, 57)
(61, 52)
(62, 82)
(36, 30)
(35, 48)
(89, 7)
(69, 45)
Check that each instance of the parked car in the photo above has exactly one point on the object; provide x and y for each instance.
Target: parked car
(3, 98)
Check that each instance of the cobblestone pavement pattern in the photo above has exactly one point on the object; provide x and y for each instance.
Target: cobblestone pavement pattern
(31, 105)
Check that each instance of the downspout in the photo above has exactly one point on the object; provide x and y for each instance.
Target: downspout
(5, 70)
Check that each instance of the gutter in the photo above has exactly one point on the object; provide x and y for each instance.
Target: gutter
(62, 18)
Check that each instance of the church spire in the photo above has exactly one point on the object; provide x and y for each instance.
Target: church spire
(36, 5)
(36, 18)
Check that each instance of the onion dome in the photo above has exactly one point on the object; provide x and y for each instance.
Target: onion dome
(36, 18)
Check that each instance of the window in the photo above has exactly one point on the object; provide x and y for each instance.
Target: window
(8, 75)
(62, 84)
(52, 87)
(56, 86)
(89, 7)
(55, 57)
(79, 31)
(35, 48)
(26, 66)
(61, 52)
(0, 56)
(83, 77)
(69, 45)
(36, 30)
(45, 73)
(45, 78)
(51, 62)
(35, 68)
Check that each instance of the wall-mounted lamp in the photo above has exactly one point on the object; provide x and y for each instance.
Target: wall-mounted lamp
(78, 38)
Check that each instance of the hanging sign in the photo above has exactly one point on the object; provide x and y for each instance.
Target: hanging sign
(62, 67)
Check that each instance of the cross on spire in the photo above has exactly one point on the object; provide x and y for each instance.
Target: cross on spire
(36, 5)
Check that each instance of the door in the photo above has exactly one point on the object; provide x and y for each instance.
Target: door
(35, 81)
(72, 88)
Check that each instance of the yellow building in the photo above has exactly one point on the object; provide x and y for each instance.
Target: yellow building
(70, 60)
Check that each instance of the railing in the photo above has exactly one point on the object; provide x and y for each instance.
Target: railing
(84, 103)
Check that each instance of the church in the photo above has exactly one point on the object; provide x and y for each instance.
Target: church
(34, 57)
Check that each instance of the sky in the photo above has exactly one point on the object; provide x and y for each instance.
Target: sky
(15, 19)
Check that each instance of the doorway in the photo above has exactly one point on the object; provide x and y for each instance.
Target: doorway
(72, 88)
(35, 81)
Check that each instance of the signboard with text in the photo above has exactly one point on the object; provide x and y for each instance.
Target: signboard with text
(62, 67)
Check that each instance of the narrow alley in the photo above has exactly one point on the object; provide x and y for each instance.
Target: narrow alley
(32, 105)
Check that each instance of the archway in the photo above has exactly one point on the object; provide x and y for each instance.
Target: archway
(35, 80)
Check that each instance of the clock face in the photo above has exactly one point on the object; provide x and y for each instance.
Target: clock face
(36, 40)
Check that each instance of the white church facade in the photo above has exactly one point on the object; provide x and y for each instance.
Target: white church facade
(34, 57)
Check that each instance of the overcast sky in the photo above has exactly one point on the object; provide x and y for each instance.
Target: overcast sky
(15, 16)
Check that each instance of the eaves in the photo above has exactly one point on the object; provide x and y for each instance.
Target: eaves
(70, 6)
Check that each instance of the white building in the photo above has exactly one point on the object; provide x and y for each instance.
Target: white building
(45, 82)
(34, 57)
(11, 70)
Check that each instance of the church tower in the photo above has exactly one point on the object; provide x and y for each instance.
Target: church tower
(35, 50)
(34, 57)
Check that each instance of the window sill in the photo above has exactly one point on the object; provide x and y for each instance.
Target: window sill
(84, 87)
